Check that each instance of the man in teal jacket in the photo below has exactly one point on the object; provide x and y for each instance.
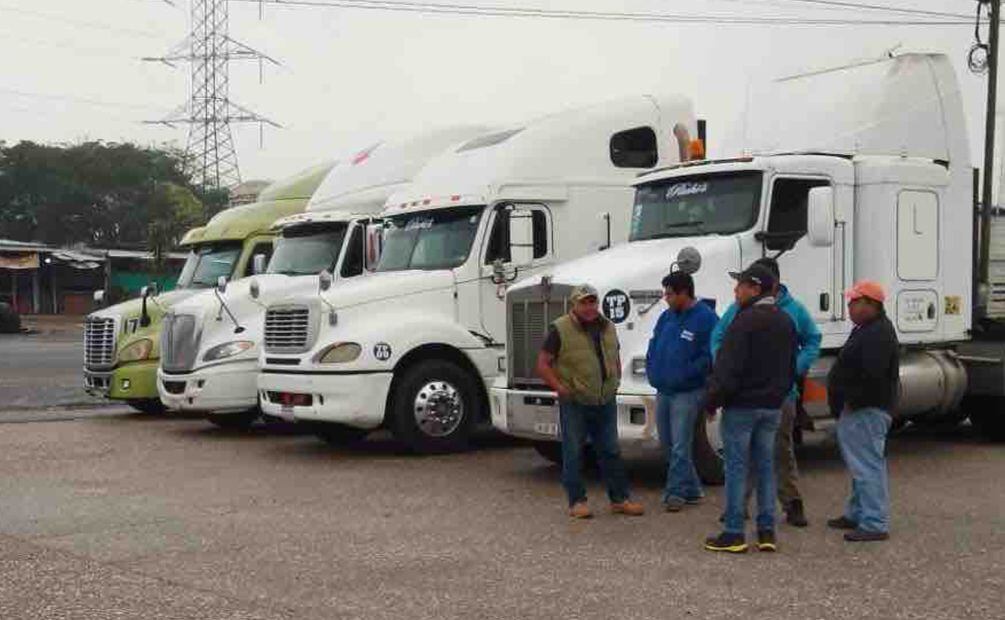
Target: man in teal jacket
(808, 337)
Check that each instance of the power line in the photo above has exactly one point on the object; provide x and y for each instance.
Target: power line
(80, 22)
(79, 99)
(575, 14)
(881, 7)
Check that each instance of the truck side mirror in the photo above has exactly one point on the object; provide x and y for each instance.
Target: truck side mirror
(373, 244)
(221, 284)
(820, 217)
(258, 264)
(99, 297)
(521, 237)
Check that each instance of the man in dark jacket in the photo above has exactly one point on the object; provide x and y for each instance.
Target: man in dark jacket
(862, 390)
(581, 361)
(677, 365)
(753, 374)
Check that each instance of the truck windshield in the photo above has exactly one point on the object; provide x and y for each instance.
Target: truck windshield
(429, 239)
(696, 205)
(308, 249)
(205, 264)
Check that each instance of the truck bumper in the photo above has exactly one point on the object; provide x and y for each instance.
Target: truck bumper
(534, 415)
(97, 383)
(135, 381)
(224, 388)
(356, 400)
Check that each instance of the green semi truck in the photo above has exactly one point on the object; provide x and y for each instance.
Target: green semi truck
(122, 342)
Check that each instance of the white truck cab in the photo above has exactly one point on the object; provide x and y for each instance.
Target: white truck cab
(412, 347)
(210, 349)
(886, 197)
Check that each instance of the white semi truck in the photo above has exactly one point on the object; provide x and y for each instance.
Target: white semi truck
(211, 341)
(413, 347)
(875, 183)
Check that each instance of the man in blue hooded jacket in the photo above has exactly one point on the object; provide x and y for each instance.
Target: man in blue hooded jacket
(808, 341)
(677, 365)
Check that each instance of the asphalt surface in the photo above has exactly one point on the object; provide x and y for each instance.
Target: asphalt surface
(126, 516)
(43, 370)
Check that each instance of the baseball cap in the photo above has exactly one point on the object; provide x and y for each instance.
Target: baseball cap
(756, 274)
(583, 291)
(868, 289)
(771, 264)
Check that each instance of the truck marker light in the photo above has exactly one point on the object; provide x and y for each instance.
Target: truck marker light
(126, 384)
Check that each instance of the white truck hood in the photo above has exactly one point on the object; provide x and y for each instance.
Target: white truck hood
(389, 287)
(630, 268)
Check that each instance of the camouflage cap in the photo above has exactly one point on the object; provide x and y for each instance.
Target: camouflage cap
(583, 291)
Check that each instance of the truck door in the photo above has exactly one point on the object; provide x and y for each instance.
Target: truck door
(807, 271)
(497, 272)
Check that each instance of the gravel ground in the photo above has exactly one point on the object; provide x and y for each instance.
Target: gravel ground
(146, 517)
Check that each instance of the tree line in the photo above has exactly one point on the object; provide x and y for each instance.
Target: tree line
(100, 194)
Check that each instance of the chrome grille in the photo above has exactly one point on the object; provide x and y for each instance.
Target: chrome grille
(287, 329)
(99, 342)
(529, 313)
(179, 342)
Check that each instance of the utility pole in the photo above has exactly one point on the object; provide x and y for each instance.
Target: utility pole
(210, 156)
(994, 8)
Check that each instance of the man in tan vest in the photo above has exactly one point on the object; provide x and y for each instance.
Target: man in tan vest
(581, 362)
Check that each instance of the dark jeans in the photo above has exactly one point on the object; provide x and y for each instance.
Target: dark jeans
(676, 415)
(748, 436)
(599, 424)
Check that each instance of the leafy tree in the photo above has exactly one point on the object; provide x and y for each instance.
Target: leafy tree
(104, 194)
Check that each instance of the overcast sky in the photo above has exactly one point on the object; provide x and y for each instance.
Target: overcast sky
(72, 69)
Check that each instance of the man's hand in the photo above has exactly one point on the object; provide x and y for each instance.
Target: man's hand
(564, 393)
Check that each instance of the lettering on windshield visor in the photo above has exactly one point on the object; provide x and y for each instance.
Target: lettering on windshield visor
(686, 189)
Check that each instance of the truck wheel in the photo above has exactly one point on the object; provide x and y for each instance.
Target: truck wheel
(707, 450)
(987, 414)
(434, 407)
(339, 435)
(234, 421)
(550, 450)
(149, 406)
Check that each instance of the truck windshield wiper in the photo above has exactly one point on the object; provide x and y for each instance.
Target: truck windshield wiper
(698, 223)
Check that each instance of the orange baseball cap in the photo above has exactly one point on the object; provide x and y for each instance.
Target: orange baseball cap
(866, 288)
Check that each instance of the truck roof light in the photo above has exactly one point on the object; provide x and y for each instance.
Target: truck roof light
(455, 197)
(696, 150)
(426, 201)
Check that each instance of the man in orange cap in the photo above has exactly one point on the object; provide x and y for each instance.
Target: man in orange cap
(862, 389)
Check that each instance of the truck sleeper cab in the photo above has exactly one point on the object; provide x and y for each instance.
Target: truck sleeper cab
(412, 347)
(900, 219)
(122, 342)
(212, 367)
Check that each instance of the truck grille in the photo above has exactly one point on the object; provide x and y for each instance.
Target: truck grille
(179, 342)
(528, 315)
(99, 342)
(287, 329)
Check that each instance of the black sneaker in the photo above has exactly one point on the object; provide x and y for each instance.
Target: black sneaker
(794, 514)
(674, 504)
(858, 535)
(729, 543)
(766, 540)
(842, 523)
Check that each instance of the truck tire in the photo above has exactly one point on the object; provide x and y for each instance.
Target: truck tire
(239, 421)
(149, 406)
(434, 407)
(987, 414)
(338, 435)
(707, 450)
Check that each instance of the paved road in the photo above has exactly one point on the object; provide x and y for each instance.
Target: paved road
(139, 517)
(42, 370)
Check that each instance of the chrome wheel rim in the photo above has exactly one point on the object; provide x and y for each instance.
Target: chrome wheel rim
(439, 409)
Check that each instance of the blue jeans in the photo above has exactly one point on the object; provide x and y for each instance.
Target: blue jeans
(748, 435)
(676, 415)
(599, 424)
(862, 440)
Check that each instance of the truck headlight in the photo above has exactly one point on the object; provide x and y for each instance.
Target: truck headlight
(339, 353)
(639, 366)
(139, 350)
(227, 349)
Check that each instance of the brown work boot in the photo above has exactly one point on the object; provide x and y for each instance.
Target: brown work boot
(628, 507)
(580, 510)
